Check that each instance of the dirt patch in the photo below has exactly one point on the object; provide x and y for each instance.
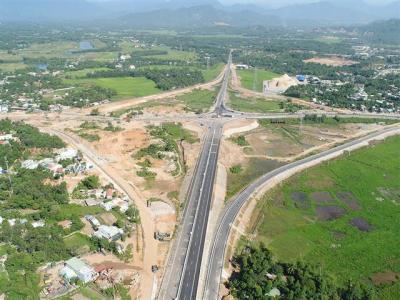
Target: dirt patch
(322, 197)
(361, 224)
(328, 213)
(386, 277)
(108, 218)
(334, 61)
(349, 199)
(300, 200)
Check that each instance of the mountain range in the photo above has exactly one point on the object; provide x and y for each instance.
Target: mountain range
(194, 13)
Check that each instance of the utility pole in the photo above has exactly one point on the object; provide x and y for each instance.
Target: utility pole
(208, 62)
(255, 79)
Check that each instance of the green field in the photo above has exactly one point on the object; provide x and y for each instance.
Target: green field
(213, 72)
(255, 168)
(294, 229)
(126, 87)
(253, 79)
(83, 73)
(198, 100)
(11, 67)
(257, 105)
(78, 242)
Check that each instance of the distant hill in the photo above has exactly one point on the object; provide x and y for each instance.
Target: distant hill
(193, 13)
(197, 16)
(382, 32)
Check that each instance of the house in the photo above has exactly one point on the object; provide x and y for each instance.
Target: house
(91, 202)
(93, 221)
(76, 268)
(65, 224)
(122, 204)
(109, 193)
(66, 154)
(30, 164)
(108, 205)
(111, 233)
(37, 224)
(242, 67)
(274, 293)
(6, 137)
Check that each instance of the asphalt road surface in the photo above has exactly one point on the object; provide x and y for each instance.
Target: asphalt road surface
(219, 243)
(183, 268)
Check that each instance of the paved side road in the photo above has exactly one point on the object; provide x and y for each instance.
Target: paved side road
(215, 266)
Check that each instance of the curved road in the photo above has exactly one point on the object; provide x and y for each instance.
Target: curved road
(220, 239)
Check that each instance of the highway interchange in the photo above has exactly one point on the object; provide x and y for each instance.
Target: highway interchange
(182, 271)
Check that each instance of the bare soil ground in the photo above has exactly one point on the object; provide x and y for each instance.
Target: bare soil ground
(334, 61)
(289, 142)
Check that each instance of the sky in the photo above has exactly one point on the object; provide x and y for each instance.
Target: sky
(276, 3)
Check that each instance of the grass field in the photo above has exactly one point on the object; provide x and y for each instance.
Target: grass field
(82, 73)
(255, 168)
(11, 67)
(125, 87)
(253, 79)
(257, 105)
(175, 54)
(213, 72)
(78, 242)
(198, 100)
(357, 241)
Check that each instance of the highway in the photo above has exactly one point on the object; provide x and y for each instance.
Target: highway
(220, 239)
(183, 268)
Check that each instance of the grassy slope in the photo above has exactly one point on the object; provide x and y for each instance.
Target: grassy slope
(247, 78)
(198, 100)
(213, 72)
(253, 104)
(293, 233)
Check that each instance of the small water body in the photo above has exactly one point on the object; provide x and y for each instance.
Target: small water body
(85, 45)
(42, 66)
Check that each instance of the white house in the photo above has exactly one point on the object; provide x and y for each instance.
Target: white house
(92, 220)
(111, 233)
(76, 268)
(30, 164)
(68, 153)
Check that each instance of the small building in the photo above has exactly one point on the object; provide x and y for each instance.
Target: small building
(68, 153)
(65, 224)
(109, 193)
(6, 137)
(274, 293)
(242, 67)
(37, 224)
(30, 164)
(301, 78)
(111, 233)
(93, 221)
(91, 202)
(108, 205)
(76, 268)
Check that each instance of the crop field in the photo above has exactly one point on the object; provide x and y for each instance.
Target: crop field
(253, 79)
(256, 105)
(342, 215)
(175, 54)
(125, 87)
(198, 100)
